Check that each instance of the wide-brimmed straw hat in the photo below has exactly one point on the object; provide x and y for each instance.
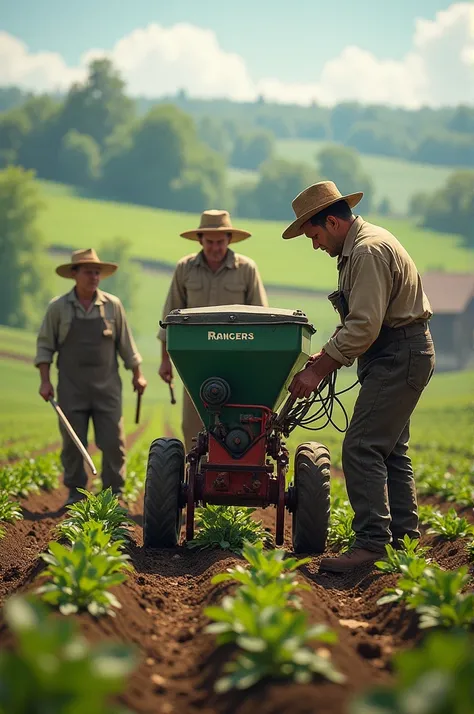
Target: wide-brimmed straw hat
(219, 222)
(85, 257)
(314, 199)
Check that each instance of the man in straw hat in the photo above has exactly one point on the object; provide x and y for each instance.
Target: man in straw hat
(213, 276)
(87, 328)
(384, 316)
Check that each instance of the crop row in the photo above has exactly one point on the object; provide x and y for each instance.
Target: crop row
(21, 479)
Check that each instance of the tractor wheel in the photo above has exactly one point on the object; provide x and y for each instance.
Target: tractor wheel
(162, 507)
(312, 491)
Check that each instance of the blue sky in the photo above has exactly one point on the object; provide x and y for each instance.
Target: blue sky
(407, 53)
(276, 37)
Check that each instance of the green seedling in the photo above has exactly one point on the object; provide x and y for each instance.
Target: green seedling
(227, 527)
(52, 669)
(450, 525)
(80, 577)
(394, 559)
(103, 507)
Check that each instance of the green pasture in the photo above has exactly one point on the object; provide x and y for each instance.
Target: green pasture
(443, 420)
(77, 222)
(395, 179)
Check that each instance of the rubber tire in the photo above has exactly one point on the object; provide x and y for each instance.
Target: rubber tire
(161, 509)
(312, 485)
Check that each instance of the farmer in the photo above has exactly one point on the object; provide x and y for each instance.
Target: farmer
(87, 328)
(213, 276)
(384, 316)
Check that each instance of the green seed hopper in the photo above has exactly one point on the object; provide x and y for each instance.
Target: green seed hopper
(236, 363)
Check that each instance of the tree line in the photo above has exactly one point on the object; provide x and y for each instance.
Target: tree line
(96, 139)
(442, 136)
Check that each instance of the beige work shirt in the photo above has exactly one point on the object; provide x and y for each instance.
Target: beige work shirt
(236, 282)
(382, 287)
(60, 313)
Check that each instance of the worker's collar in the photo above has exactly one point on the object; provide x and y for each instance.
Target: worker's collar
(98, 300)
(350, 238)
(230, 260)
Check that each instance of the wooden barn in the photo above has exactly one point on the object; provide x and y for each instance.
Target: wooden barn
(452, 299)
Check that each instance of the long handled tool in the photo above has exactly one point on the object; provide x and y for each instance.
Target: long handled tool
(73, 435)
(137, 410)
(172, 398)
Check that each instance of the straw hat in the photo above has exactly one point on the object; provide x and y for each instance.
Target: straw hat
(85, 257)
(315, 199)
(219, 222)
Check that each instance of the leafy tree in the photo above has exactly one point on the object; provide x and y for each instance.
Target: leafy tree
(343, 118)
(451, 208)
(342, 165)
(154, 155)
(216, 135)
(79, 159)
(279, 182)
(98, 106)
(152, 167)
(124, 282)
(21, 246)
(14, 126)
(446, 149)
(372, 137)
(40, 148)
(251, 150)
(462, 120)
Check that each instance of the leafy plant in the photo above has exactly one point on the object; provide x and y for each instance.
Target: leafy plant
(103, 507)
(412, 573)
(450, 525)
(273, 640)
(81, 575)
(227, 527)
(435, 678)
(30, 475)
(53, 669)
(438, 599)
(271, 576)
(94, 536)
(340, 531)
(425, 514)
(264, 620)
(470, 549)
(9, 510)
(394, 559)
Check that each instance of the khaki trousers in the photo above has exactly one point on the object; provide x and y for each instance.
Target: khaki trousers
(377, 468)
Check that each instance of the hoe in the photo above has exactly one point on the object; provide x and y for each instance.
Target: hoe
(236, 362)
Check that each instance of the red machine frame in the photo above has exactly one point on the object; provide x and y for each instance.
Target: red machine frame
(248, 480)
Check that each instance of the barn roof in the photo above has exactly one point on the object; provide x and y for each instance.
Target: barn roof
(449, 292)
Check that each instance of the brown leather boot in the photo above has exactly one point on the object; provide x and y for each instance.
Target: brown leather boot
(353, 558)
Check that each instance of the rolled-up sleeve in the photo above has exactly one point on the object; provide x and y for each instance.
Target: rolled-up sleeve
(47, 340)
(256, 293)
(176, 298)
(126, 346)
(368, 300)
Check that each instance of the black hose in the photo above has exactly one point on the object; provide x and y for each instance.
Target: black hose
(324, 398)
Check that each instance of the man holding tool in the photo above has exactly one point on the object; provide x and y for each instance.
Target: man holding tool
(213, 276)
(384, 317)
(87, 328)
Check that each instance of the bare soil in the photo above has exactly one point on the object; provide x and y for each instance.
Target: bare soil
(162, 615)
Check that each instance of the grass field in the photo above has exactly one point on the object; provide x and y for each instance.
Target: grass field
(395, 179)
(72, 221)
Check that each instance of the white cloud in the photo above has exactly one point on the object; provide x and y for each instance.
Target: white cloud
(156, 61)
(40, 71)
(438, 69)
